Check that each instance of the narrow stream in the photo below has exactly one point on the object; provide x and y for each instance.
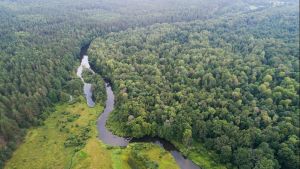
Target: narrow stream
(104, 134)
(108, 137)
(87, 87)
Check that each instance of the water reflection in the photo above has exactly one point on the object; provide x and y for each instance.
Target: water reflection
(87, 87)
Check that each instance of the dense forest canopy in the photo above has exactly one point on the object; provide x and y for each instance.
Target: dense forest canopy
(231, 83)
(238, 74)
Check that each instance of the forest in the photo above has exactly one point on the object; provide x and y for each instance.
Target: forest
(39, 41)
(231, 83)
(220, 73)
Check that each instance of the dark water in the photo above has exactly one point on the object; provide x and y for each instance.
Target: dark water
(83, 50)
(108, 137)
(105, 135)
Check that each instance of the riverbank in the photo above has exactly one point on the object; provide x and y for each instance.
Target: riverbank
(196, 152)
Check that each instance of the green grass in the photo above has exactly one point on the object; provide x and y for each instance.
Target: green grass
(120, 157)
(93, 156)
(201, 156)
(154, 152)
(43, 146)
(161, 157)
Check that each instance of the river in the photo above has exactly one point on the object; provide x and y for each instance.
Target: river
(108, 137)
(87, 87)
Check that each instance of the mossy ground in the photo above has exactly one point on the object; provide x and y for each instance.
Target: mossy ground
(44, 146)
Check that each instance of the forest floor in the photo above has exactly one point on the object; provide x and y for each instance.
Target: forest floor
(44, 146)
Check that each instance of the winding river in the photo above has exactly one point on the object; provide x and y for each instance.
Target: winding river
(87, 87)
(108, 137)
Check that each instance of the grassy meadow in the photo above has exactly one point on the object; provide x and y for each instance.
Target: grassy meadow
(68, 139)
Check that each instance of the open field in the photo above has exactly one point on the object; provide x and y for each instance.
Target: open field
(47, 146)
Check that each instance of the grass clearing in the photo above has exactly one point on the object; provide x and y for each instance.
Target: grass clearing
(93, 156)
(201, 156)
(44, 146)
(162, 157)
(153, 152)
